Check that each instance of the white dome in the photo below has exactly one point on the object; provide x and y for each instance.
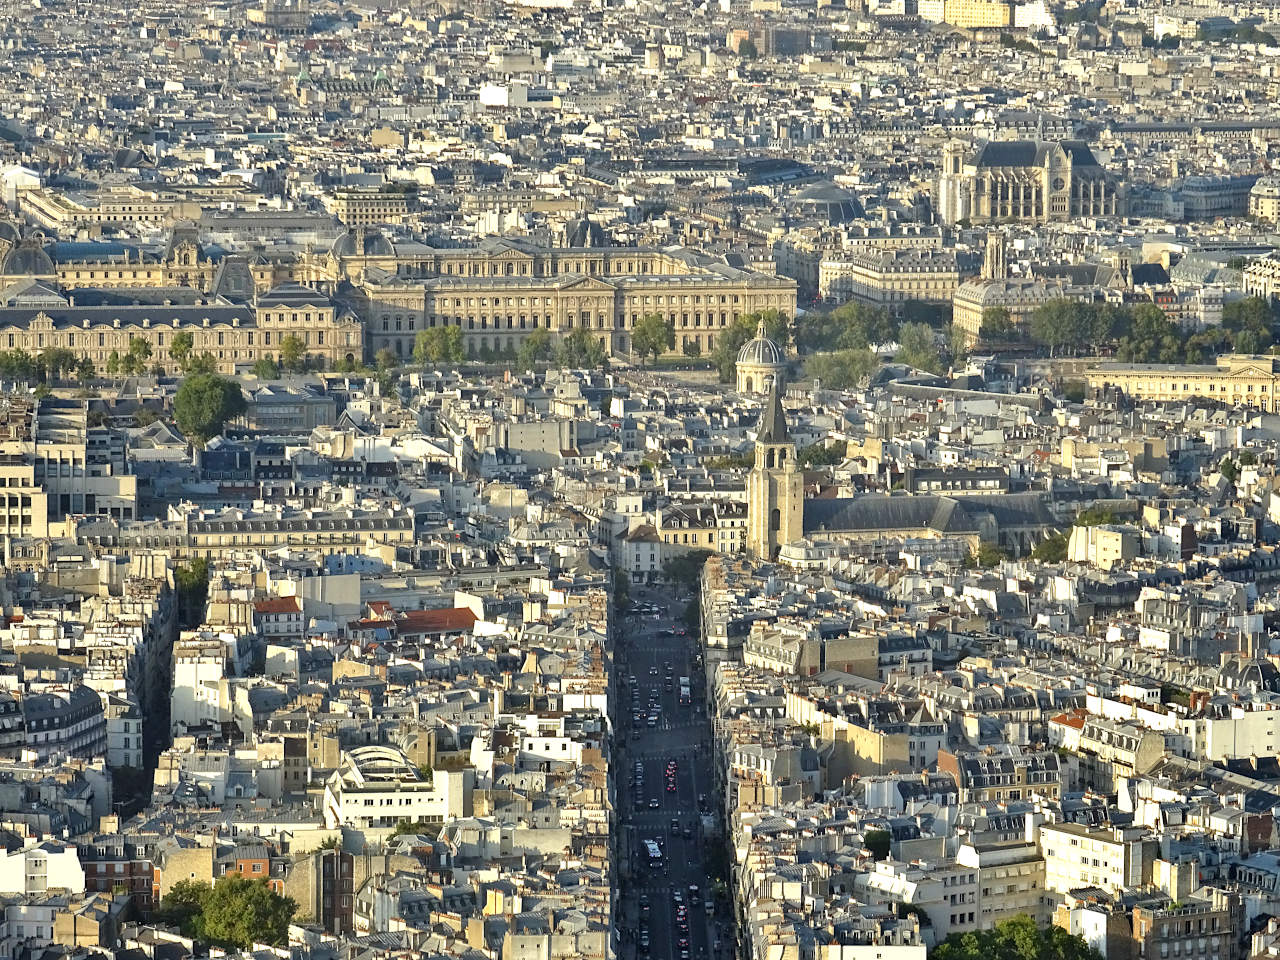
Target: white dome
(760, 351)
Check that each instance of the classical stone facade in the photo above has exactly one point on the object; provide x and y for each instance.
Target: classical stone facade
(891, 278)
(1025, 181)
(1235, 379)
(497, 292)
(502, 290)
(235, 335)
(182, 264)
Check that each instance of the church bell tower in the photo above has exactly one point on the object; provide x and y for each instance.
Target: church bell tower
(775, 486)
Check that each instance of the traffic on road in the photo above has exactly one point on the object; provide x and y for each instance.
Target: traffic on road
(663, 744)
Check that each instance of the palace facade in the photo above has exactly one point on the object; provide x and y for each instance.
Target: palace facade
(501, 290)
(497, 292)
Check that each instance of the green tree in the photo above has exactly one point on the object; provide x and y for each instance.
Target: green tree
(653, 335)
(266, 369)
(203, 405)
(685, 568)
(201, 363)
(241, 912)
(386, 359)
(621, 589)
(691, 348)
(58, 361)
(1229, 470)
(1052, 549)
(730, 340)
(878, 842)
(581, 350)
(235, 913)
(747, 49)
(439, 345)
(1249, 323)
(1094, 517)
(989, 555)
(918, 347)
(537, 348)
(181, 347)
(1015, 939)
(85, 370)
(1061, 325)
(1074, 391)
(139, 353)
(191, 583)
(957, 342)
(293, 353)
(842, 369)
(997, 325)
(851, 326)
(821, 455)
(1152, 338)
(113, 363)
(183, 905)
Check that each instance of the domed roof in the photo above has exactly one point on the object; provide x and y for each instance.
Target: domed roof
(584, 233)
(1239, 673)
(27, 259)
(760, 351)
(361, 242)
(9, 232)
(826, 191)
(827, 201)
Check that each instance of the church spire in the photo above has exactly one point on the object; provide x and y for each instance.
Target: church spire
(773, 422)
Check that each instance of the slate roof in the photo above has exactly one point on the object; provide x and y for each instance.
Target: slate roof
(1029, 153)
(942, 514)
(773, 423)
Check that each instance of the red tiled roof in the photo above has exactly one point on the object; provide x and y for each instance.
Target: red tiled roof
(449, 620)
(279, 605)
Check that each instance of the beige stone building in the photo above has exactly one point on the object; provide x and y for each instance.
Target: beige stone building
(1114, 859)
(238, 531)
(1021, 296)
(1251, 380)
(890, 278)
(1264, 200)
(235, 335)
(1010, 881)
(502, 290)
(497, 292)
(109, 206)
(355, 206)
(1261, 277)
(967, 14)
(182, 263)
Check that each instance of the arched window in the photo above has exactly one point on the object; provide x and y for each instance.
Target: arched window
(775, 519)
(768, 460)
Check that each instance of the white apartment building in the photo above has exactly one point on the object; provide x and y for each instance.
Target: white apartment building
(375, 787)
(40, 868)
